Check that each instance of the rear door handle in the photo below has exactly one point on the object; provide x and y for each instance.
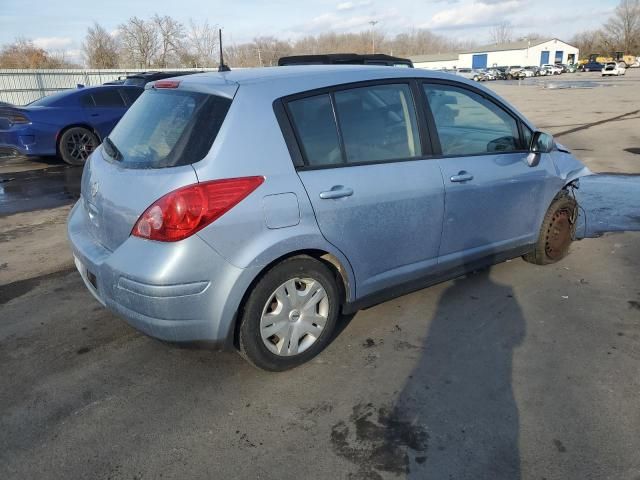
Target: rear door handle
(462, 177)
(337, 191)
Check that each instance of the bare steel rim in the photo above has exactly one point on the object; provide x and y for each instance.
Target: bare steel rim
(294, 316)
(560, 234)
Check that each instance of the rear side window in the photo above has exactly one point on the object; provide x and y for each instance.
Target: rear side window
(378, 123)
(469, 124)
(316, 128)
(109, 97)
(167, 128)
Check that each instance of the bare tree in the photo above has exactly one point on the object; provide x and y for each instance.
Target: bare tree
(501, 33)
(624, 26)
(201, 46)
(140, 42)
(171, 34)
(100, 49)
(22, 53)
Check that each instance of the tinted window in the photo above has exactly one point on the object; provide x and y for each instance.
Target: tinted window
(165, 128)
(87, 100)
(469, 124)
(131, 94)
(107, 97)
(316, 128)
(377, 123)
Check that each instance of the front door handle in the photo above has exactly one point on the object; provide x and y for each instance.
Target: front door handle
(337, 191)
(462, 177)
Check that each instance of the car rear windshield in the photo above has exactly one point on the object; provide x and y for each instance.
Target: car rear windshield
(167, 128)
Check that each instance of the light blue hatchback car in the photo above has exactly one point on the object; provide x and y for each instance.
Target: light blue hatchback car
(250, 208)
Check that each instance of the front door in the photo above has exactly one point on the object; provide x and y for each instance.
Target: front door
(375, 196)
(492, 196)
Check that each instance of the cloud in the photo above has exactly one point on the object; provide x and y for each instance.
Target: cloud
(353, 5)
(390, 20)
(477, 13)
(52, 43)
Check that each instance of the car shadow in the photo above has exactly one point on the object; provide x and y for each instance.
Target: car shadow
(460, 391)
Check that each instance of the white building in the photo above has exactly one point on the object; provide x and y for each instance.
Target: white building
(522, 53)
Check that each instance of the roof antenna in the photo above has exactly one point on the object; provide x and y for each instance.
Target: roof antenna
(222, 67)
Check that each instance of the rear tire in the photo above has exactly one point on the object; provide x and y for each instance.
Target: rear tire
(76, 144)
(290, 314)
(557, 231)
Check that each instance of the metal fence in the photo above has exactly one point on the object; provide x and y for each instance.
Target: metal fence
(19, 87)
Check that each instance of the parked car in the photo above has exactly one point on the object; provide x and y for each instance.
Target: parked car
(532, 71)
(613, 68)
(563, 67)
(71, 123)
(192, 233)
(470, 74)
(141, 79)
(514, 72)
(488, 75)
(346, 59)
(501, 73)
(572, 68)
(550, 69)
(591, 67)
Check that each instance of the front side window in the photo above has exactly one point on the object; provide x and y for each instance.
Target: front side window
(469, 124)
(378, 123)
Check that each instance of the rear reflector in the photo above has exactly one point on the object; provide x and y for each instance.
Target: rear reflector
(185, 211)
(166, 84)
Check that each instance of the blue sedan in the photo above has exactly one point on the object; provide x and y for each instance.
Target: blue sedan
(71, 123)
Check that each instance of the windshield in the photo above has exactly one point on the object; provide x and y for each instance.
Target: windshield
(166, 128)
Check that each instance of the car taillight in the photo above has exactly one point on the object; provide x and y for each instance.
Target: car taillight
(185, 211)
(166, 84)
(16, 118)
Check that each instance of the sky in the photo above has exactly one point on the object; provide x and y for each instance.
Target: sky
(61, 24)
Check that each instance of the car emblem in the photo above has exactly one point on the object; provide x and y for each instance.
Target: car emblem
(94, 189)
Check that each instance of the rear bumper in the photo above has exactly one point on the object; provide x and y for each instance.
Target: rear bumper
(179, 292)
(27, 141)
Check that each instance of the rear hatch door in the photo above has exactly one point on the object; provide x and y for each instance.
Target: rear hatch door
(147, 155)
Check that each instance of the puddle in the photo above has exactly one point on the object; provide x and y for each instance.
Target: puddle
(611, 203)
(39, 189)
(574, 84)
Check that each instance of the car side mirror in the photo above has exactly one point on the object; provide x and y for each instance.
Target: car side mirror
(540, 143)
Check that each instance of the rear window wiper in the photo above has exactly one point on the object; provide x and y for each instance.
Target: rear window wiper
(112, 150)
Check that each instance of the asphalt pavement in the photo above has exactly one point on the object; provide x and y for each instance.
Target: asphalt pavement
(514, 372)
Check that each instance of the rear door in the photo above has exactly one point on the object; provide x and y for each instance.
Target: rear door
(376, 195)
(494, 199)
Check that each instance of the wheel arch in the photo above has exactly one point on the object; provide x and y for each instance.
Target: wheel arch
(75, 125)
(343, 274)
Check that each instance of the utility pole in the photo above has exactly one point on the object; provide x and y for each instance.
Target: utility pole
(373, 35)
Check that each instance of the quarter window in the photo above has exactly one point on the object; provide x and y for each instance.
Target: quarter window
(109, 97)
(377, 123)
(469, 124)
(316, 127)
